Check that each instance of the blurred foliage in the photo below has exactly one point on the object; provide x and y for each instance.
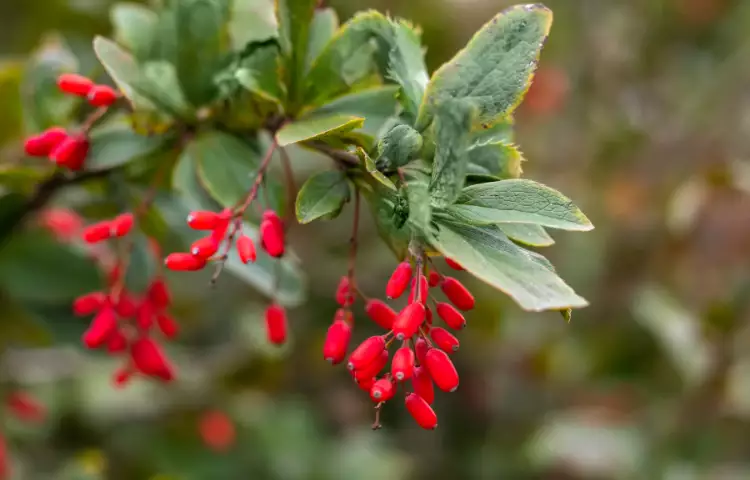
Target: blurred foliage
(640, 112)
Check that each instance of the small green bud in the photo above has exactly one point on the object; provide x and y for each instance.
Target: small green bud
(397, 147)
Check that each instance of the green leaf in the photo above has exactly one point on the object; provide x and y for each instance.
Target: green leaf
(451, 160)
(498, 159)
(323, 28)
(418, 194)
(406, 66)
(518, 201)
(398, 146)
(142, 264)
(317, 128)
(34, 267)
(11, 122)
(116, 144)
(201, 44)
(135, 28)
(322, 196)
(373, 170)
(488, 254)
(122, 67)
(258, 73)
(294, 18)
(527, 234)
(251, 21)
(495, 69)
(163, 86)
(383, 208)
(21, 178)
(376, 105)
(12, 208)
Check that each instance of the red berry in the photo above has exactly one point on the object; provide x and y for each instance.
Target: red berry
(276, 324)
(444, 340)
(168, 325)
(149, 359)
(434, 279)
(100, 329)
(145, 318)
(409, 320)
(246, 249)
(373, 368)
(71, 153)
(102, 96)
(25, 407)
(184, 262)
(422, 384)
(126, 306)
(89, 303)
(366, 384)
(366, 353)
(344, 294)
(122, 224)
(458, 294)
(399, 280)
(122, 376)
(380, 313)
(428, 317)
(222, 225)
(421, 411)
(452, 317)
(158, 294)
(97, 232)
(117, 342)
(272, 234)
(74, 84)
(402, 366)
(42, 145)
(453, 264)
(423, 289)
(5, 471)
(203, 220)
(421, 347)
(217, 431)
(63, 223)
(382, 390)
(442, 370)
(337, 342)
(204, 247)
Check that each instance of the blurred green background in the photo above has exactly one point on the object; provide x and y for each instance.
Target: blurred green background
(640, 113)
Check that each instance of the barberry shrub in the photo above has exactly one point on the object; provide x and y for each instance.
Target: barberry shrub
(172, 159)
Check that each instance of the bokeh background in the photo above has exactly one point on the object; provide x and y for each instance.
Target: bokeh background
(640, 112)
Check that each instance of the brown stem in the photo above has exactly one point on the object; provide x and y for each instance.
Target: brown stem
(353, 238)
(291, 187)
(345, 158)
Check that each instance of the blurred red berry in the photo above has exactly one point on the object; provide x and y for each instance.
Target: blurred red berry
(272, 234)
(71, 153)
(126, 305)
(75, 84)
(25, 407)
(409, 320)
(43, 144)
(63, 223)
(158, 293)
(548, 91)
(184, 262)
(399, 280)
(89, 303)
(367, 352)
(203, 220)
(434, 279)
(145, 316)
(276, 325)
(380, 313)
(421, 381)
(149, 359)
(117, 342)
(122, 376)
(204, 247)
(402, 365)
(5, 472)
(344, 293)
(102, 96)
(337, 342)
(217, 431)
(167, 325)
(452, 317)
(458, 294)
(246, 249)
(442, 370)
(97, 232)
(421, 411)
(122, 224)
(453, 264)
(382, 390)
(101, 327)
(444, 340)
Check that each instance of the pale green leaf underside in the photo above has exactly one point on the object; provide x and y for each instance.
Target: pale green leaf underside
(495, 69)
(451, 159)
(375, 105)
(317, 128)
(251, 21)
(498, 159)
(322, 29)
(518, 201)
(322, 195)
(527, 234)
(134, 27)
(489, 255)
(406, 66)
(123, 69)
(372, 169)
(117, 144)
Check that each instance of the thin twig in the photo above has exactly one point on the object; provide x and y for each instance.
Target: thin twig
(353, 239)
(345, 158)
(291, 186)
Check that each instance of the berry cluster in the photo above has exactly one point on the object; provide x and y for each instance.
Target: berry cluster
(69, 150)
(423, 355)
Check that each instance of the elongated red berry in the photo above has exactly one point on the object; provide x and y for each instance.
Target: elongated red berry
(167, 325)
(102, 96)
(272, 234)
(380, 313)
(74, 84)
(101, 327)
(97, 232)
(276, 328)
(5, 470)
(122, 224)
(204, 247)
(402, 365)
(399, 280)
(442, 370)
(420, 348)
(222, 225)
(366, 383)
(434, 279)
(203, 220)
(25, 407)
(43, 144)
(246, 249)
(344, 294)
(117, 342)
(453, 264)
(409, 320)
(149, 359)
(421, 411)
(337, 342)
(423, 289)
(158, 294)
(444, 340)
(422, 384)
(458, 294)
(145, 316)
(126, 306)
(184, 262)
(373, 368)
(217, 431)
(71, 153)
(452, 317)
(89, 303)
(382, 390)
(122, 376)
(367, 352)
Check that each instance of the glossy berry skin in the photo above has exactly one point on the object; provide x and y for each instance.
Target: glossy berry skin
(422, 384)
(117, 342)
(43, 144)
(451, 316)
(149, 359)
(399, 281)
(453, 264)
(423, 290)
(421, 347)
(366, 353)
(100, 329)
(408, 322)
(102, 96)
(75, 84)
(344, 294)
(158, 294)
(167, 325)
(366, 383)
(421, 411)
(442, 370)
(337, 342)
(203, 220)
(272, 234)
(204, 247)
(89, 303)
(71, 153)
(458, 294)
(382, 390)
(434, 279)
(97, 232)
(380, 313)
(122, 224)
(246, 249)
(444, 340)
(402, 366)
(184, 262)
(373, 368)
(276, 324)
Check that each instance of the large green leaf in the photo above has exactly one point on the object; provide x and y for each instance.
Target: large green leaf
(251, 21)
(418, 194)
(495, 69)
(294, 18)
(323, 28)
(164, 87)
(451, 159)
(135, 28)
(527, 234)
(258, 73)
(12, 209)
(488, 254)
(322, 196)
(518, 201)
(142, 264)
(202, 41)
(376, 105)
(317, 128)
(116, 144)
(372, 169)
(497, 159)
(391, 228)
(406, 66)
